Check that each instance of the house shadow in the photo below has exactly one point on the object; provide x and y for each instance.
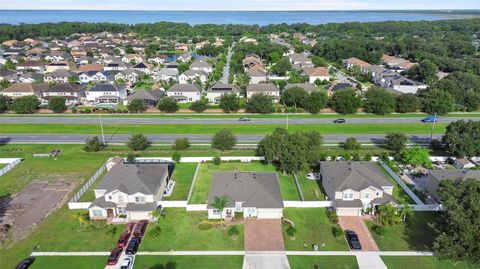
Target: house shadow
(168, 265)
(418, 232)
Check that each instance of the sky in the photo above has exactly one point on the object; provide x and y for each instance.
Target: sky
(239, 4)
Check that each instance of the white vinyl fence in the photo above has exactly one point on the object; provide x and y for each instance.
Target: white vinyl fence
(12, 162)
(401, 183)
(307, 204)
(72, 204)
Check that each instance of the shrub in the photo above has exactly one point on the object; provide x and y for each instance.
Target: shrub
(233, 230)
(176, 157)
(168, 105)
(199, 106)
(224, 140)
(131, 158)
(57, 104)
(368, 157)
(332, 216)
(87, 111)
(136, 106)
(181, 144)
(217, 160)
(347, 156)
(337, 231)
(291, 231)
(378, 229)
(112, 230)
(205, 225)
(93, 145)
(351, 144)
(25, 105)
(74, 110)
(138, 142)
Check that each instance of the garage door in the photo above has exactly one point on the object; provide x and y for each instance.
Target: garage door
(349, 211)
(269, 213)
(139, 215)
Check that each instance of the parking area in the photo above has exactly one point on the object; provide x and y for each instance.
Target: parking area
(357, 225)
(28, 208)
(263, 235)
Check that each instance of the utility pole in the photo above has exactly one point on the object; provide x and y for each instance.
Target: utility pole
(286, 123)
(433, 126)
(101, 128)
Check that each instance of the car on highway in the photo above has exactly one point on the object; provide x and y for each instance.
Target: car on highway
(339, 121)
(25, 263)
(430, 119)
(140, 228)
(352, 239)
(133, 246)
(123, 240)
(244, 119)
(127, 263)
(114, 256)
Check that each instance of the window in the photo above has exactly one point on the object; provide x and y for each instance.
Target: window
(97, 213)
(367, 195)
(121, 210)
(109, 197)
(139, 199)
(238, 206)
(348, 195)
(216, 212)
(120, 198)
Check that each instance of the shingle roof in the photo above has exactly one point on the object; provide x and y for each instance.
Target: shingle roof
(35, 88)
(356, 176)
(460, 174)
(200, 64)
(144, 94)
(184, 88)
(254, 189)
(221, 87)
(147, 207)
(133, 178)
(104, 88)
(65, 87)
(264, 87)
(308, 87)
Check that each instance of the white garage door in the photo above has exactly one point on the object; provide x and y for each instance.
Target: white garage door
(268, 213)
(349, 211)
(139, 215)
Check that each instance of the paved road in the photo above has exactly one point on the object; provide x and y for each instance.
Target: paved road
(187, 120)
(122, 138)
(226, 69)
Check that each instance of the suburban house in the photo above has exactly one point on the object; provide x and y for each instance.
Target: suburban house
(253, 194)
(268, 89)
(317, 73)
(97, 77)
(158, 59)
(436, 176)
(308, 87)
(24, 89)
(166, 74)
(300, 61)
(396, 64)
(149, 97)
(354, 187)
(403, 84)
(201, 66)
(143, 67)
(185, 93)
(54, 66)
(219, 89)
(462, 163)
(107, 95)
(181, 47)
(333, 87)
(73, 93)
(129, 75)
(59, 76)
(351, 62)
(257, 75)
(130, 191)
(116, 66)
(190, 76)
(31, 65)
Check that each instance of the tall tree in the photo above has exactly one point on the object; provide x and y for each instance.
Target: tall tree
(395, 141)
(462, 138)
(379, 101)
(346, 101)
(229, 103)
(224, 140)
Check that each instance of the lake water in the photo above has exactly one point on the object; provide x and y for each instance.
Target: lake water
(224, 17)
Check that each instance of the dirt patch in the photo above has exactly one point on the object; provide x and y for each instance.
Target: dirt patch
(263, 235)
(28, 208)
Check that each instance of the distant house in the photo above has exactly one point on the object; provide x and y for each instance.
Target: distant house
(354, 187)
(166, 74)
(131, 191)
(333, 87)
(73, 93)
(300, 61)
(142, 67)
(116, 66)
(89, 67)
(8, 75)
(31, 65)
(149, 97)
(184, 93)
(25, 89)
(257, 75)
(106, 95)
(129, 75)
(216, 91)
(59, 76)
(201, 66)
(351, 62)
(436, 176)
(252, 194)
(308, 87)
(54, 66)
(158, 59)
(181, 47)
(96, 77)
(317, 73)
(268, 89)
(396, 64)
(462, 163)
(190, 76)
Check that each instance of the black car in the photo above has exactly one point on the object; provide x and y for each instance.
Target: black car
(244, 119)
(353, 241)
(25, 263)
(133, 246)
(339, 121)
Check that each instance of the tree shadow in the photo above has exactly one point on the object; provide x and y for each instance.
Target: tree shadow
(168, 265)
(418, 232)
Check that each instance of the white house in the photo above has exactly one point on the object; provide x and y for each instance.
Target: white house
(185, 93)
(254, 194)
(317, 73)
(166, 74)
(219, 89)
(190, 76)
(107, 95)
(266, 88)
(201, 66)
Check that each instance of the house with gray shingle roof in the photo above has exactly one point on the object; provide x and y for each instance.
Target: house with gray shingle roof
(354, 187)
(185, 93)
(255, 194)
(268, 89)
(436, 176)
(131, 190)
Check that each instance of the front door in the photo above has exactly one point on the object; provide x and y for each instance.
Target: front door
(110, 212)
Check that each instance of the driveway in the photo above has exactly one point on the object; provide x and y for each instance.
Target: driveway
(357, 225)
(263, 235)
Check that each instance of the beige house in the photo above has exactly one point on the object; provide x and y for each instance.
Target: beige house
(25, 89)
(265, 88)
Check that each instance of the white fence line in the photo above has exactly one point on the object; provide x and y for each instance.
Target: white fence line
(202, 159)
(79, 205)
(87, 185)
(12, 162)
(307, 204)
(172, 203)
(401, 183)
(429, 207)
(192, 185)
(196, 207)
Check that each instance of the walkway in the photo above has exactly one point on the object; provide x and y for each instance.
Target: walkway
(357, 225)
(265, 261)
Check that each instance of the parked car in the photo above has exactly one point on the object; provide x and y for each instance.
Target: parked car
(25, 263)
(140, 228)
(352, 239)
(127, 263)
(244, 119)
(339, 121)
(123, 240)
(114, 256)
(430, 119)
(129, 227)
(133, 246)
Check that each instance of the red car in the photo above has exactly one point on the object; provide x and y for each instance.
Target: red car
(140, 228)
(123, 240)
(129, 227)
(114, 256)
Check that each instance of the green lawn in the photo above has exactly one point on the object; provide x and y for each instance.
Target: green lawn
(416, 235)
(398, 193)
(183, 176)
(180, 232)
(312, 189)
(204, 179)
(330, 262)
(395, 262)
(89, 195)
(407, 128)
(68, 262)
(313, 227)
(188, 262)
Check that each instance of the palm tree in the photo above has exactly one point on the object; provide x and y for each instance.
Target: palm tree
(220, 203)
(388, 215)
(79, 216)
(155, 214)
(406, 211)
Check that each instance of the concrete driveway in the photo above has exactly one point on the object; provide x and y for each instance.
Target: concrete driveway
(265, 261)
(357, 225)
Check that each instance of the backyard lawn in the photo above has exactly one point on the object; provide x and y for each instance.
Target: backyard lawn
(398, 193)
(180, 231)
(183, 176)
(330, 262)
(413, 236)
(312, 189)
(204, 179)
(68, 262)
(188, 262)
(395, 262)
(313, 227)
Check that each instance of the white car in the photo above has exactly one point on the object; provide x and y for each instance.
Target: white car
(127, 263)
